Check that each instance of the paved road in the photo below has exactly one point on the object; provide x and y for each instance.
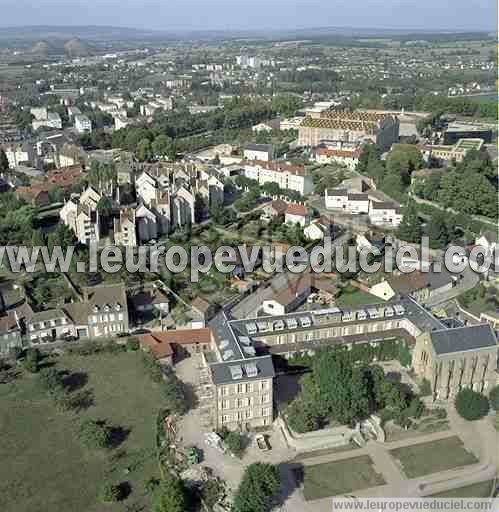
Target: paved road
(470, 280)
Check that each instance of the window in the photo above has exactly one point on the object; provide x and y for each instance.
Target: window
(111, 317)
(120, 316)
(225, 390)
(226, 404)
(249, 414)
(249, 388)
(240, 388)
(226, 418)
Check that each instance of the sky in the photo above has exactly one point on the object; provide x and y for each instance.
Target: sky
(253, 14)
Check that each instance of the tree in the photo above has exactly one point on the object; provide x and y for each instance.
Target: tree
(199, 208)
(50, 379)
(143, 151)
(410, 227)
(132, 344)
(104, 206)
(37, 239)
(95, 434)
(161, 146)
(437, 231)
(259, 484)
(110, 493)
(170, 495)
(494, 398)
(471, 405)
(4, 162)
(32, 360)
(234, 441)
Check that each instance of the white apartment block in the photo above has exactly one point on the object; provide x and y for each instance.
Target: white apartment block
(81, 216)
(83, 124)
(125, 233)
(385, 214)
(340, 199)
(287, 176)
(348, 157)
(19, 154)
(53, 120)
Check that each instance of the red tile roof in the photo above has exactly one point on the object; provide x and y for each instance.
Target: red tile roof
(162, 343)
(296, 209)
(159, 348)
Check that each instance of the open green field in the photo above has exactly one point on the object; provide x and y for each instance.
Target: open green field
(353, 297)
(433, 457)
(44, 465)
(479, 490)
(333, 478)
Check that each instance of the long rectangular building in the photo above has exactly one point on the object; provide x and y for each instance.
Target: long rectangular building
(353, 127)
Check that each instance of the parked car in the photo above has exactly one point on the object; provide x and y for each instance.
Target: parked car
(262, 443)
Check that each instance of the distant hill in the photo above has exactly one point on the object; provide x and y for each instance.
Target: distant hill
(40, 49)
(76, 48)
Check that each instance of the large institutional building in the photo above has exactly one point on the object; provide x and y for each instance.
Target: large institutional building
(352, 127)
(452, 359)
(237, 378)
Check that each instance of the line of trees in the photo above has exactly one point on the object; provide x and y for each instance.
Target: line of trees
(344, 389)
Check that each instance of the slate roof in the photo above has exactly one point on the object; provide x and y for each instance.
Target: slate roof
(463, 339)
(221, 371)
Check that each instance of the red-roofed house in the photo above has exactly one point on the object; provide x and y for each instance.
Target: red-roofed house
(296, 214)
(165, 344)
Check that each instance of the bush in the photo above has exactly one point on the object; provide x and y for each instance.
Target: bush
(170, 495)
(95, 434)
(301, 418)
(471, 405)
(440, 413)
(494, 398)
(235, 443)
(132, 344)
(259, 484)
(110, 493)
(32, 360)
(50, 379)
(425, 388)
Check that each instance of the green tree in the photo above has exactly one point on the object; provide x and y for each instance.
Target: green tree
(410, 227)
(471, 405)
(110, 493)
(170, 495)
(235, 442)
(437, 230)
(95, 434)
(32, 360)
(4, 162)
(50, 379)
(104, 206)
(161, 146)
(37, 239)
(494, 398)
(143, 151)
(132, 344)
(259, 484)
(199, 208)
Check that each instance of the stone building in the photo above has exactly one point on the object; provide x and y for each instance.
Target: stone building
(453, 359)
(351, 127)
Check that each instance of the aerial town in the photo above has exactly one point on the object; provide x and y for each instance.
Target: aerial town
(256, 389)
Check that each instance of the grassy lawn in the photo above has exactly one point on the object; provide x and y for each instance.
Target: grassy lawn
(333, 478)
(480, 490)
(353, 297)
(44, 465)
(425, 458)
